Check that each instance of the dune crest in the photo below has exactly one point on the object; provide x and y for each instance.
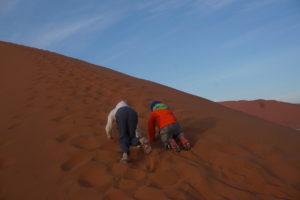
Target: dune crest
(283, 113)
(53, 144)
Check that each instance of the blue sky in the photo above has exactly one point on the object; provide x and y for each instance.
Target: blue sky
(216, 49)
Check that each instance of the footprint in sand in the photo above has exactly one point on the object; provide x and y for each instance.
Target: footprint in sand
(76, 160)
(18, 116)
(87, 143)
(116, 194)
(97, 110)
(71, 74)
(99, 92)
(5, 162)
(66, 108)
(50, 107)
(107, 156)
(30, 99)
(151, 163)
(35, 92)
(50, 96)
(13, 126)
(65, 137)
(128, 185)
(165, 178)
(95, 175)
(85, 101)
(89, 116)
(87, 88)
(143, 193)
(173, 193)
(86, 122)
(29, 105)
(134, 174)
(38, 79)
(58, 118)
(119, 169)
(96, 99)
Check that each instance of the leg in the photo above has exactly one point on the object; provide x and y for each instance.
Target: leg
(167, 134)
(134, 141)
(179, 135)
(132, 122)
(132, 125)
(124, 158)
(177, 131)
(121, 118)
(164, 136)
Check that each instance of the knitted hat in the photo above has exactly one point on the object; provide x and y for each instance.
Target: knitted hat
(153, 104)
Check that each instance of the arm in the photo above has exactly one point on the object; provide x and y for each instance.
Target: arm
(151, 127)
(110, 119)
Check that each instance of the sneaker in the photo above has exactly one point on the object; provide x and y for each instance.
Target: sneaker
(125, 158)
(166, 145)
(173, 145)
(185, 143)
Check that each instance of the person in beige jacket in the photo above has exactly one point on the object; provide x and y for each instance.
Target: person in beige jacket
(129, 133)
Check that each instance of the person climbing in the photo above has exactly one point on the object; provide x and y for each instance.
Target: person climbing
(169, 128)
(129, 133)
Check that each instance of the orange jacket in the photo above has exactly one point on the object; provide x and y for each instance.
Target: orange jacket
(160, 118)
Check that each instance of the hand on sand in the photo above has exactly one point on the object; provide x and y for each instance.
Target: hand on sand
(146, 145)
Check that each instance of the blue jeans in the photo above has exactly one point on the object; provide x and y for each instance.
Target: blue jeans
(127, 120)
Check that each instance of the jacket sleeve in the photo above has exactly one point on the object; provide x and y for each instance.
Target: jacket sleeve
(110, 119)
(151, 127)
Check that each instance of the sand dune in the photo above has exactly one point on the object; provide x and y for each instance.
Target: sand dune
(53, 145)
(286, 114)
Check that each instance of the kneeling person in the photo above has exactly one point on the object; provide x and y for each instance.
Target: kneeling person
(169, 129)
(127, 120)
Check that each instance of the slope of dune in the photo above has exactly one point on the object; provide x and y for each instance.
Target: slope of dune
(286, 114)
(53, 144)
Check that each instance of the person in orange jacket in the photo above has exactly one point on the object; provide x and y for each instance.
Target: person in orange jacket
(169, 128)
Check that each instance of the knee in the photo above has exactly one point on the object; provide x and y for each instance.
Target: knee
(164, 137)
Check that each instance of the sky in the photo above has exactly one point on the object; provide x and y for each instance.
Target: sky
(217, 49)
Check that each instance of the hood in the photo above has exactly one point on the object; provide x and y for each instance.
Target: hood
(121, 104)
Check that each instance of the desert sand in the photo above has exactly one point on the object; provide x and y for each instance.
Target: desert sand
(286, 114)
(53, 144)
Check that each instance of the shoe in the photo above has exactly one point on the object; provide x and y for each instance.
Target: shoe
(146, 145)
(166, 145)
(185, 143)
(124, 158)
(173, 145)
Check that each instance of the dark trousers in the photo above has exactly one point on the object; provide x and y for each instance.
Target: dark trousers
(170, 131)
(127, 120)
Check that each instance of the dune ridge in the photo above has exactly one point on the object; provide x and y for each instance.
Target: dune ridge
(53, 145)
(287, 114)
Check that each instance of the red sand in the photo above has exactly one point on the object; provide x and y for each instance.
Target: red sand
(286, 114)
(53, 144)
